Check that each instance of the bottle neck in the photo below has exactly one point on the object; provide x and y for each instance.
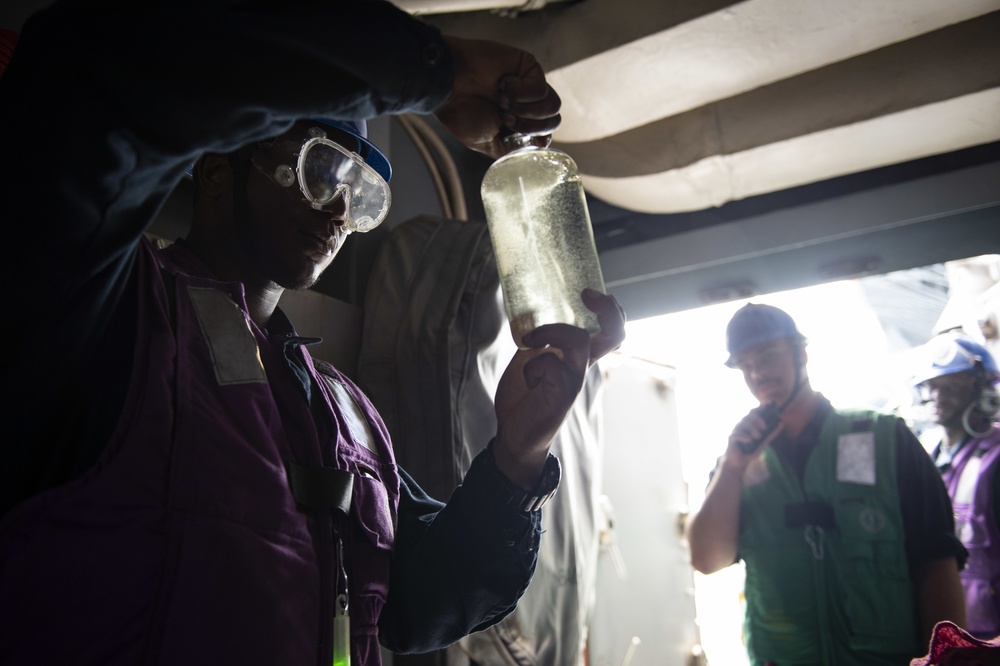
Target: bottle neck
(515, 141)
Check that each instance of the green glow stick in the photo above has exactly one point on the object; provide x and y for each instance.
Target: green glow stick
(341, 634)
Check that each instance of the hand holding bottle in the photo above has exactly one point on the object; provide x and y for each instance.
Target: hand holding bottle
(541, 383)
(497, 86)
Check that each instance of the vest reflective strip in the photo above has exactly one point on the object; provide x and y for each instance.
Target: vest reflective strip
(965, 493)
(235, 356)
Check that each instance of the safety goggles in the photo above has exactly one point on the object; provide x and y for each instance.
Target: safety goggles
(326, 172)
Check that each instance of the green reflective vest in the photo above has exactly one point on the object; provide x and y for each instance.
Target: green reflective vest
(826, 575)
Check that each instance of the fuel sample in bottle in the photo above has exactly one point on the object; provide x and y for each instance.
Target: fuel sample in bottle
(542, 238)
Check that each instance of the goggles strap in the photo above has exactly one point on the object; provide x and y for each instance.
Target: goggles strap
(240, 164)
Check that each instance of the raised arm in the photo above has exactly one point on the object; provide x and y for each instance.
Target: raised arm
(462, 567)
(105, 107)
(713, 531)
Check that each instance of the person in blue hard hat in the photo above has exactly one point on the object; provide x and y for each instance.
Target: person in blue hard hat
(839, 516)
(958, 382)
(182, 483)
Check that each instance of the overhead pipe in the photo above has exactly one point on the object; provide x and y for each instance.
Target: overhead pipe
(455, 6)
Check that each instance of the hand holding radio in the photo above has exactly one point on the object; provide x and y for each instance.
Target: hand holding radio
(757, 427)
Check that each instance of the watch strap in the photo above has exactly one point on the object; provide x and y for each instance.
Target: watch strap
(511, 495)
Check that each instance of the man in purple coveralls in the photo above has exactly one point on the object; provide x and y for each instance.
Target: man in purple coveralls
(181, 483)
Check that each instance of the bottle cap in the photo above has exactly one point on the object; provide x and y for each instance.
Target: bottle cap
(514, 140)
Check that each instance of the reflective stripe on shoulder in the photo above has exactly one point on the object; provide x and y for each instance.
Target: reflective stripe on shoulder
(235, 356)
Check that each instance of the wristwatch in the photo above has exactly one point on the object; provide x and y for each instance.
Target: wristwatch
(523, 500)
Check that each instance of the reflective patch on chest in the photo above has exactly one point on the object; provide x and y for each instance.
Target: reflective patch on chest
(856, 458)
(231, 344)
(965, 493)
(966, 532)
(354, 417)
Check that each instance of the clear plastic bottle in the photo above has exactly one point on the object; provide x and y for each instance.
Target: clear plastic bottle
(542, 237)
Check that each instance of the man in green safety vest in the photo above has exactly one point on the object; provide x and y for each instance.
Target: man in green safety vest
(840, 517)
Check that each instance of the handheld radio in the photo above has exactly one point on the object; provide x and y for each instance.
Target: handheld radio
(772, 417)
(771, 414)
